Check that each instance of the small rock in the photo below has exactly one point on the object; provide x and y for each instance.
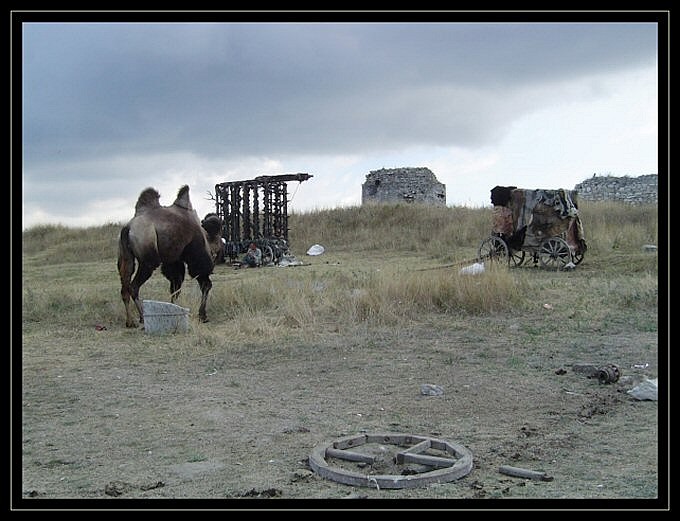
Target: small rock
(431, 390)
(116, 488)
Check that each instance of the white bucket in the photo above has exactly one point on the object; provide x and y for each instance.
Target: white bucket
(164, 317)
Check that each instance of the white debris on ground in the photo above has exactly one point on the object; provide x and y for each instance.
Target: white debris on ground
(316, 249)
(648, 389)
(431, 390)
(473, 269)
(289, 260)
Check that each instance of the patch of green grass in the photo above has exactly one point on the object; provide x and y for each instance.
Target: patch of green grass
(196, 457)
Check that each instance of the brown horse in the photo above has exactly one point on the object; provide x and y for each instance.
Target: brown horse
(165, 236)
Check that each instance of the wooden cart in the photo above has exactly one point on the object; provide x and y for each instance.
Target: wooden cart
(540, 224)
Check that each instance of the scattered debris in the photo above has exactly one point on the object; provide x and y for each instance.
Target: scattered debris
(561, 370)
(289, 260)
(598, 404)
(649, 247)
(116, 488)
(640, 366)
(151, 486)
(316, 249)
(270, 492)
(473, 269)
(301, 475)
(605, 374)
(608, 374)
(431, 390)
(646, 390)
(354, 495)
(524, 473)
(587, 370)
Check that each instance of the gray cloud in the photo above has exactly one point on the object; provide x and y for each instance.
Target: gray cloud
(110, 108)
(224, 89)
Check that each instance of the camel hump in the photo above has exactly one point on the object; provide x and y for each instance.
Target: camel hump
(148, 200)
(183, 198)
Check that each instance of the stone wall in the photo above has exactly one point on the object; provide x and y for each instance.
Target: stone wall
(403, 185)
(633, 190)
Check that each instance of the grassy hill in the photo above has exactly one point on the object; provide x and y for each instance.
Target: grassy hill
(380, 264)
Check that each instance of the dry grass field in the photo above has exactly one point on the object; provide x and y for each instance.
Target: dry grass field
(227, 414)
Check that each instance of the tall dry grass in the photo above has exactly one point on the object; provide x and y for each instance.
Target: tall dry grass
(378, 269)
(375, 228)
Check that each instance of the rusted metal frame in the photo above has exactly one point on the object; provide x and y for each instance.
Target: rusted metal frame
(256, 212)
(247, 224)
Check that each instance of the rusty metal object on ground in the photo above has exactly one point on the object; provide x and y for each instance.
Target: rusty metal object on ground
(608, 374)
(605, 374)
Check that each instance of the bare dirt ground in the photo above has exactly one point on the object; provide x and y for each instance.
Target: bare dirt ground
(113, 417)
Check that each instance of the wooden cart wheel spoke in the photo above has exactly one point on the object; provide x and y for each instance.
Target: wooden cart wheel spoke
(554, 253)
(267, 255)
(493, 248)
(517, 257)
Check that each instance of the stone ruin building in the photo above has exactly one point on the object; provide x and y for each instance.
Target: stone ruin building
(403, 185)
(634, 190)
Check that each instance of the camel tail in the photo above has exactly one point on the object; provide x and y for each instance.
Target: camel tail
(126, 259)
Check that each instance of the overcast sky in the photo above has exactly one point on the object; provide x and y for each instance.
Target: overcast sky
(111, 108)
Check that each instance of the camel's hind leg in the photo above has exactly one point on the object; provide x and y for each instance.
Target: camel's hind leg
(126, 294)
(126, 267)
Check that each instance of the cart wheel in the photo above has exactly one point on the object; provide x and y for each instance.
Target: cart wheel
(267, 255)
(554, 253)
(493, 248)
(516, 257)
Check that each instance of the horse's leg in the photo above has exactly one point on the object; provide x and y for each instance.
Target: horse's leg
(205, 284)
(174, 272)
(143, 273)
